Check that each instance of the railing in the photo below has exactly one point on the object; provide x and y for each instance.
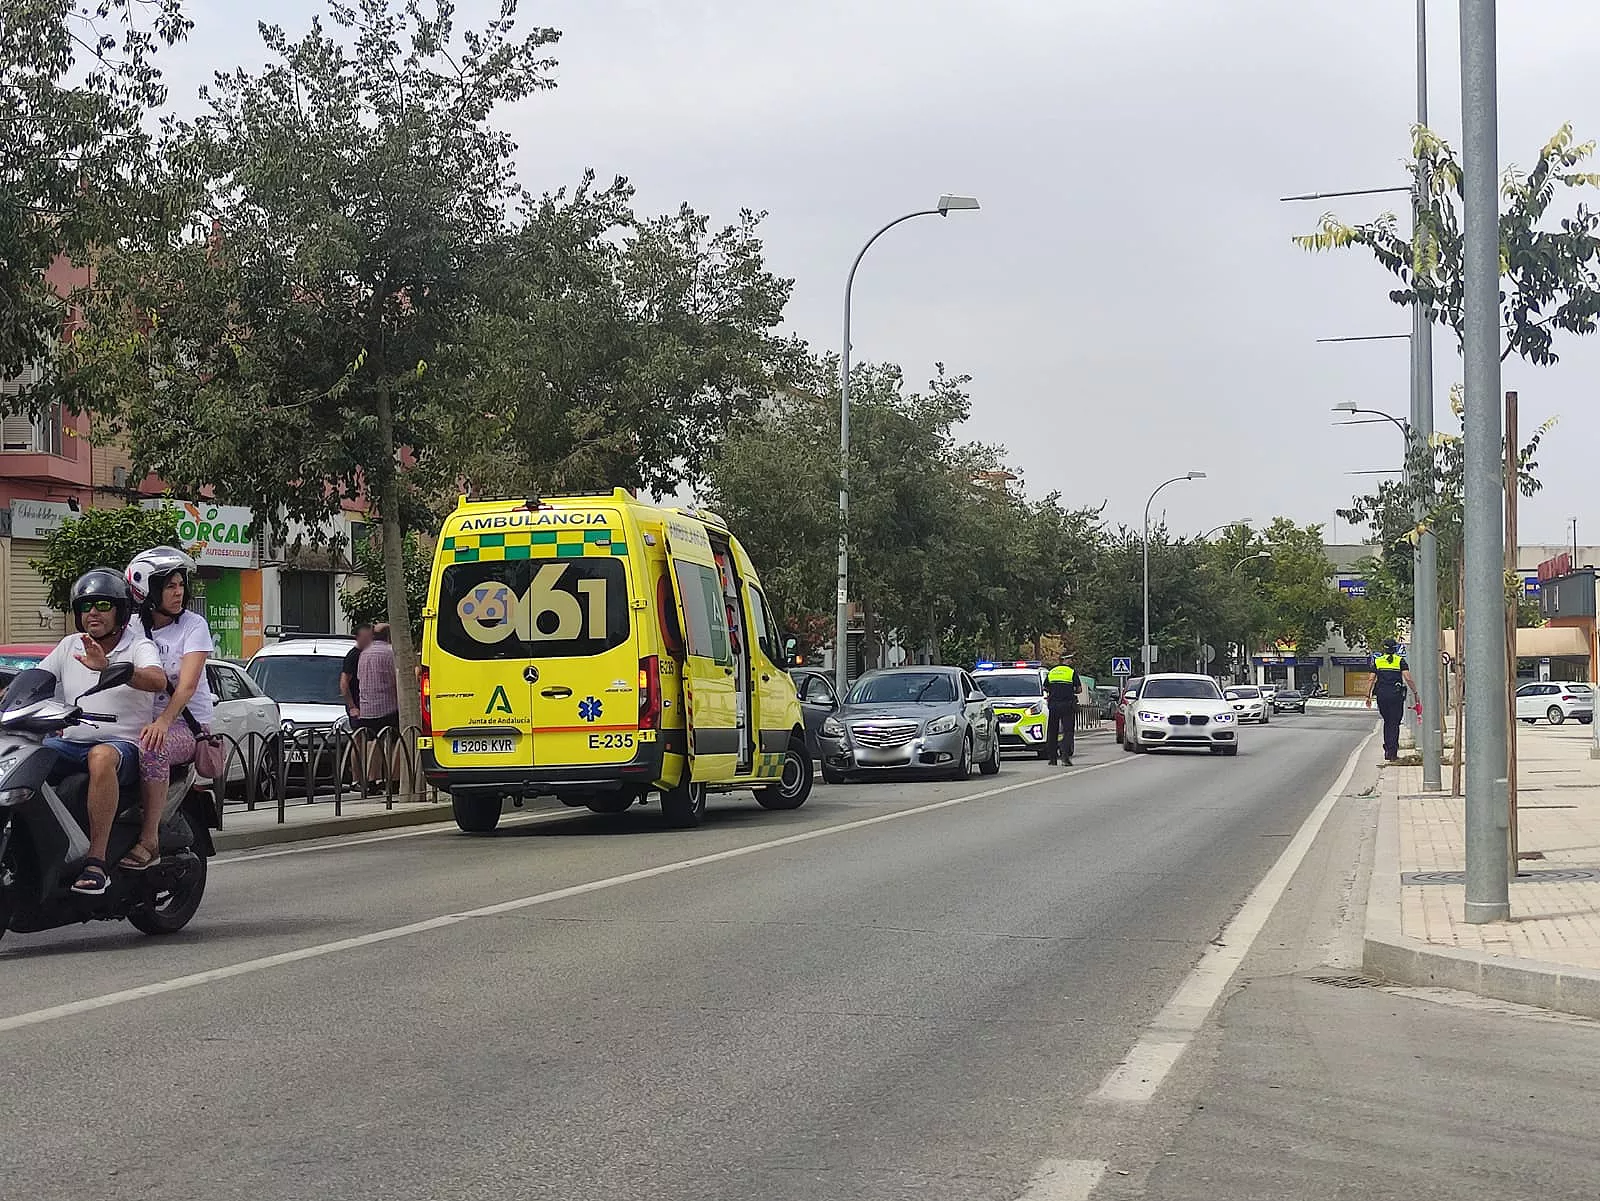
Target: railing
(321, 767)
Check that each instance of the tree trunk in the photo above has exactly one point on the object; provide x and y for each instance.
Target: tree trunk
(394, 572)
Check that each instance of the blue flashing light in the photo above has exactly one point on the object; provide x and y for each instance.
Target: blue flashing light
(984, 666)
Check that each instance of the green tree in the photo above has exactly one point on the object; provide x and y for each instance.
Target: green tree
(77, 83)
(1301, 599)
(347, 203)
(1549, 263)
(612, 350)
(370, 602)
(101, 538)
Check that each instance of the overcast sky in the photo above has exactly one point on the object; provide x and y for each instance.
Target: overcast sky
(1128, 300)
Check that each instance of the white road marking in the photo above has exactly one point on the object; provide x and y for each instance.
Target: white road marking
(1135, 1080)
(334, 842)
(1065, 1180)
(265, 963)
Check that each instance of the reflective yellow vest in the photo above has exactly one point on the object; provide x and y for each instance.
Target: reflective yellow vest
(1386, 663)
(1061, 675)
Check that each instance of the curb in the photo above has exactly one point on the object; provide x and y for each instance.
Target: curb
(331, 828)
(1388, 955)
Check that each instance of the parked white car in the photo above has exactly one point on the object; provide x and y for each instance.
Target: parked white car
(1248, 702)
(246, 715)
(1555, 701)
(1181, 710)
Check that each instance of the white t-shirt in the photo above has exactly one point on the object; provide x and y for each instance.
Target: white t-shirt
(129, 708)
(187, 634)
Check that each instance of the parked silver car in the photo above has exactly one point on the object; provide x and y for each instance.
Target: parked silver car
(924, 719)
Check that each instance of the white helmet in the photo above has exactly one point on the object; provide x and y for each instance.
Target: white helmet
(148, 570)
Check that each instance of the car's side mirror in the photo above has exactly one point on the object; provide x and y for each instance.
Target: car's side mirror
(977, 698)
(114, 676)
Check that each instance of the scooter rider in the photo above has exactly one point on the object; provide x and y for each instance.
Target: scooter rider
(161, 582)
(101, 607)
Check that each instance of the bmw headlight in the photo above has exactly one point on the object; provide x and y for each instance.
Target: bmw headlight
(1146, 715)
(832, 727)
(1224, 718)
(943, 725)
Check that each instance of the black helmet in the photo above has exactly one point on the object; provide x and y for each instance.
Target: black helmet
(103, 583)
(1391, 645)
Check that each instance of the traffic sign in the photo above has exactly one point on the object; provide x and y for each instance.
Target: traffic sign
(1122, 666)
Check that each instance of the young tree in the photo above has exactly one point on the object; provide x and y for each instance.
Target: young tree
(77, 82)
(101, 538)
(370, 602)
(349, 204)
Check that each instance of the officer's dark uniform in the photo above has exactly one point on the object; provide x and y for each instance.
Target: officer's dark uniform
(1390, 691)
(1061, 689)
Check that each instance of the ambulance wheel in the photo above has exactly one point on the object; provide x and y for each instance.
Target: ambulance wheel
(476, 814)
(794, 786)
(684, 807)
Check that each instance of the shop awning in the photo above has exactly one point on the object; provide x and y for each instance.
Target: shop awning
(1540, 642)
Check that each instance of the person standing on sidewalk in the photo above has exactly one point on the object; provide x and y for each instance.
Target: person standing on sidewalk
(1391, 683)
(349, 684)
(379, 700)
(1061, 688)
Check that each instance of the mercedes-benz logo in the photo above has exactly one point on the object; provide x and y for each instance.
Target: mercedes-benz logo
(531, 674)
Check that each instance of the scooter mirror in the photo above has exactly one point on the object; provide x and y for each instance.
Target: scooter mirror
(114, 676)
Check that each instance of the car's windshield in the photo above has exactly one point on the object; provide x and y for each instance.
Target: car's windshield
(1289, 693)
(1242, 694)
(1011, 683)
(1185, 689)
(299, 679)
(904, 687)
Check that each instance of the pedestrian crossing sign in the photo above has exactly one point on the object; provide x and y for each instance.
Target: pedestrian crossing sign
(1122, 666)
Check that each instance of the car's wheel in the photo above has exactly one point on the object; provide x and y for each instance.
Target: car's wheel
(1126, 748)
(1555, 715)
(684, 807)
(1531, 720)
(991, 765)
(1138, 747)
(963, 767)
(794, 786)
(1583, 721)
(476, 814)
(608, 805)
(832, 775)
(1265, 717)
(1231, 750)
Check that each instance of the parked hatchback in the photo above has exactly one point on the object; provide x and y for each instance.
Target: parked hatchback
(1555, 701)
(933, 720)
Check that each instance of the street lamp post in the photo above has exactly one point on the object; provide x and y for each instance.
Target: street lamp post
(1226, 525)
(841, 634)
(1244, 639)
(1144, 651)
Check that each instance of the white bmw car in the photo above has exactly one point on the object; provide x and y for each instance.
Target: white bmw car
(1181, 711)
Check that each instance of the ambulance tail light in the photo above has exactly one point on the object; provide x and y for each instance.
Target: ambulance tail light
(426, 686)
(650, 693)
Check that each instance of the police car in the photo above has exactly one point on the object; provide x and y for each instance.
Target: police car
(1019, 705)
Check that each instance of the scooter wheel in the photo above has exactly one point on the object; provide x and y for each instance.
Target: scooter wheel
(172, 910)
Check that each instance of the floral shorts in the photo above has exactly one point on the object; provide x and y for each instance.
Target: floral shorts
(177, 750)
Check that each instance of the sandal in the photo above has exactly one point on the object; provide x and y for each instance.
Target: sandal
(92, 881)
(139, 858)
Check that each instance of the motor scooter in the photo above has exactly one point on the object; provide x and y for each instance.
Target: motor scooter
(44, 821)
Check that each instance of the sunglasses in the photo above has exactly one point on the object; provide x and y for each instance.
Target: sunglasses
(97, 606)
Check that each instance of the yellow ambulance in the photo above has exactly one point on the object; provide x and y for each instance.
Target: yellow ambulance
(602, 650)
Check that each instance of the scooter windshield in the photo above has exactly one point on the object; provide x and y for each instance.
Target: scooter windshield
(27, 688)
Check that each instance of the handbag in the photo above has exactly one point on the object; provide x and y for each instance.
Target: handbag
(210, 750)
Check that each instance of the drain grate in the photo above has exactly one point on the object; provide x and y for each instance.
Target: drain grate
(1545, 875)
(1346, 981)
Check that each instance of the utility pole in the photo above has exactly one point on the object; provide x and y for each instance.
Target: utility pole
(1511, 605)
(1488, 881)
(1425, 576)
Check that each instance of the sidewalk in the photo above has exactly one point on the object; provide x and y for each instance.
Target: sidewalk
(1548, 954)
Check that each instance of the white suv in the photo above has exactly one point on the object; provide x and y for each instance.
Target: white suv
(1555, 701)
(302, 675)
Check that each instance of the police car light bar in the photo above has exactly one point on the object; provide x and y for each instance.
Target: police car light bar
(984, 666)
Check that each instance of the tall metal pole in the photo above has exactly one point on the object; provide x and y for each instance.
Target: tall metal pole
(1144, 651)
(841, 625)
(1425, 662)
(1488, 893)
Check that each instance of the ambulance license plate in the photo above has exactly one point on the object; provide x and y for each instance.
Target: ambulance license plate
(482, 746)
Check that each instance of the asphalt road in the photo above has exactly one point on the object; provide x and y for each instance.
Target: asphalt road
(901, 990)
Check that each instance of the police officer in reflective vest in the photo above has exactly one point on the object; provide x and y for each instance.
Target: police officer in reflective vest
(1061, 688)
(1391, 681)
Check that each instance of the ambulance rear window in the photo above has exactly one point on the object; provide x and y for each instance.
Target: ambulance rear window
(533, 608)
